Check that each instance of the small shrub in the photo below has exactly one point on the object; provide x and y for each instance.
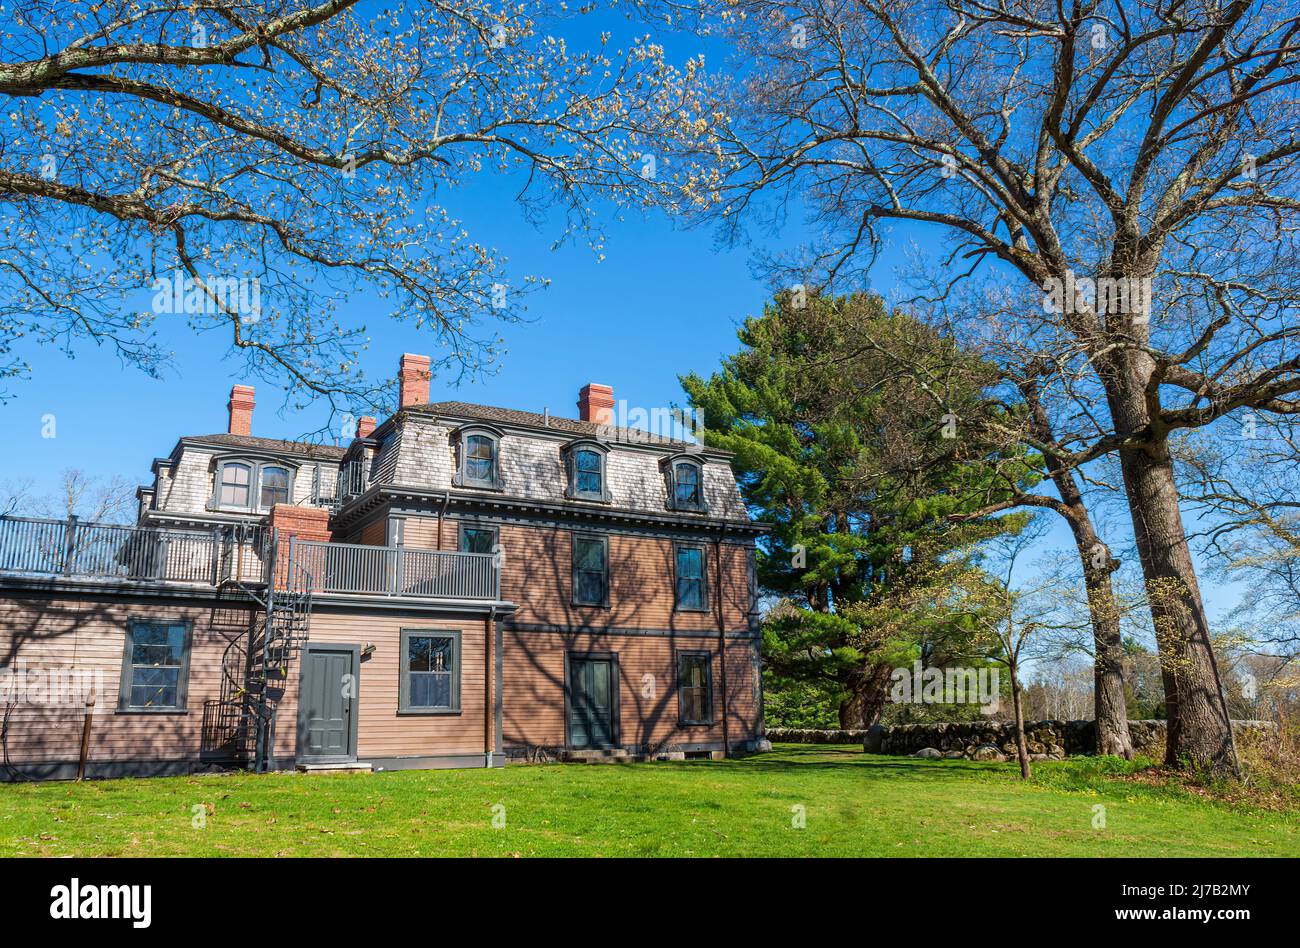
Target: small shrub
(1270, 760)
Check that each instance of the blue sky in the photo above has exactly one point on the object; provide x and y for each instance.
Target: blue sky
(662, 302)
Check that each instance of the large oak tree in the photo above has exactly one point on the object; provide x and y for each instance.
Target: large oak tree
(1144, 148)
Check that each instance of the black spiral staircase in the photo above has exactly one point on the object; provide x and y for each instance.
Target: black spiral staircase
(239, 726)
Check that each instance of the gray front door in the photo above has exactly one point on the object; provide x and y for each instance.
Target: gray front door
(593, 699)
(327, 726)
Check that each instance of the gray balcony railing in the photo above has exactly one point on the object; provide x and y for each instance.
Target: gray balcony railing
(352, 480)
(397, 571)
(33, 545)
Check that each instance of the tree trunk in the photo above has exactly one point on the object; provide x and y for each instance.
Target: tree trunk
(1022, 746)
(1200, 732)
(1109, 707)
(1110, 710)
(868, 689)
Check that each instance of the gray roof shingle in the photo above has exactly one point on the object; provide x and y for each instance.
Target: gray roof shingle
(529, 419)
(299, 448)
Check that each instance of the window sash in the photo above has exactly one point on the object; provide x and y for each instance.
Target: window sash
(686, 485)
(478, 540)
(155, 665)
(695, 688)
(590, 571)
(480, 459)
(236, 485)
(690, 578)
(430, 671)
(278, 493)
(588, 473)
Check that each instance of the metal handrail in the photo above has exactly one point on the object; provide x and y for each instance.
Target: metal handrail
(72, 547)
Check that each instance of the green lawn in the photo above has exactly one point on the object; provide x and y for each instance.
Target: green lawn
(854, 805)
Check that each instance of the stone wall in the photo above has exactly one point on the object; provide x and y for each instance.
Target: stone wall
(989, 740)
(996, 740)
(794, 735)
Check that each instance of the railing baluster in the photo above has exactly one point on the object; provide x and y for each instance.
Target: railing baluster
(70, 547)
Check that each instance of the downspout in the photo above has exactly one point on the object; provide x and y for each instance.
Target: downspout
(722, 639)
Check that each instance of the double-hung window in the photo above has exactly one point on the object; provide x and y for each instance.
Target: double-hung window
(275, 486)
(685, 481)
(691, 579)
(478, 539)
(479, 457)
(588, 476)
(584, 463)
(430, 682)
(590, 571)
(686, 485)
(249, 485)
(155, 665)
(236, 485)
(694, 688)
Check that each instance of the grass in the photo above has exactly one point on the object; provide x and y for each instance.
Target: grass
(854, 804)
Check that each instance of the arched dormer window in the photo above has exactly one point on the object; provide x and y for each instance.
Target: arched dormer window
(250, 486)
(684, 476)
(584, 463)
(478, 457)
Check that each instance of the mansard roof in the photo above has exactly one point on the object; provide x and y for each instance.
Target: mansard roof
(557, 423)
(305, 449)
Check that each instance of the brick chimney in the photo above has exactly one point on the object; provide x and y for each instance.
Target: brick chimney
(413, 379)
(596, 404)
(305, 523)
(241, 410)
(365, 426)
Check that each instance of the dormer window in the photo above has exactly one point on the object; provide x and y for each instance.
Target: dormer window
(685, 482)
(275, 487)
(235, 485)
(480, 458)
(249, 486)
(585, 464)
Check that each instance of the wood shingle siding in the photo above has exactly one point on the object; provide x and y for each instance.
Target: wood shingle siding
(421, 455)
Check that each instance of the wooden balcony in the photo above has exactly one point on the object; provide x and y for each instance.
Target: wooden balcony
(37, 546)
(71, 548)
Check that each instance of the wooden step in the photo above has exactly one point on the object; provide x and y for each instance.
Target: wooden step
(347, 766)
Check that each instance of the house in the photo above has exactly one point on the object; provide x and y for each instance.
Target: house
(459, 586)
